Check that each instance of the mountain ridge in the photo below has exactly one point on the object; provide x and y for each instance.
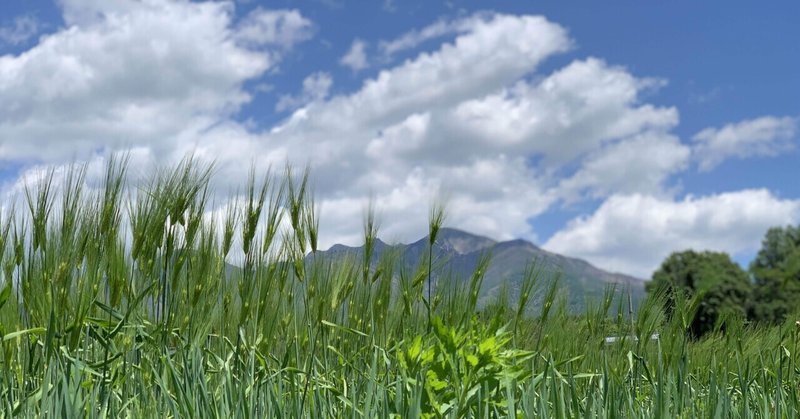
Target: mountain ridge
(579, 279)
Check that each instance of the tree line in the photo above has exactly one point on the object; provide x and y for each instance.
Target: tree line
(767, 293)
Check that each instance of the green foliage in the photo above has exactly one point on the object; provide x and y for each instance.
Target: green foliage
(776, 271)
(461, 372)
(721, 287)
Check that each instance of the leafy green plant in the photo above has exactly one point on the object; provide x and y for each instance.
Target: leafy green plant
(462, 371)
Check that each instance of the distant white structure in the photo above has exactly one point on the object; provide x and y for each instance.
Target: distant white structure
(615, 339)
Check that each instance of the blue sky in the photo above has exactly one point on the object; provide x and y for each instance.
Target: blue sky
(616, 133)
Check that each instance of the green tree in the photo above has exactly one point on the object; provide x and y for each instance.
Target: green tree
(776, 271)
(725, 287)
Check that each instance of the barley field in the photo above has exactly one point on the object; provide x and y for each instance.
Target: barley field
(143, 298)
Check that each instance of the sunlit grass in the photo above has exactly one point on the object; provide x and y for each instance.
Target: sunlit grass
(121, 302)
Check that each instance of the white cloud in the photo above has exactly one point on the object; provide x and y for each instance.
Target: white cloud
(446, 122)
(343, 138)
(634, 233)
(283, 28)
(443, 122)
(438, 29)
(356, 57)
(764, 136)
(571, 112)
(641, 164)
(87, 12)
(20, 30)
(315, 88)
(128, 74)
(457, 71)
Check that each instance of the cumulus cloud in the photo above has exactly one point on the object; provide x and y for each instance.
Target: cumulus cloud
(640, 164)
(634, 233)
(452, 74)
(128, 74)
(350, 139)
(566, 114)
(444, 121)
(764, 136)
(356, 57)
(283, 28)
(315, 88)
(19, 30)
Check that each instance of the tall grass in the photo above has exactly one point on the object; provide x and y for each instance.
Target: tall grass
(122, 302)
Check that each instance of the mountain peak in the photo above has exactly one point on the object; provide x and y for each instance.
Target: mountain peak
(461, 242)
(518, 243)
(454, 232)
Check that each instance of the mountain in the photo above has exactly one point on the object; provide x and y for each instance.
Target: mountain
(460, 251)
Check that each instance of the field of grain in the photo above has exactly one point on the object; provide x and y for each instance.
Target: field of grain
(132, 301)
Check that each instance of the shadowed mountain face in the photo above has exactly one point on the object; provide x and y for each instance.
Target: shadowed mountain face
(457, 253)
